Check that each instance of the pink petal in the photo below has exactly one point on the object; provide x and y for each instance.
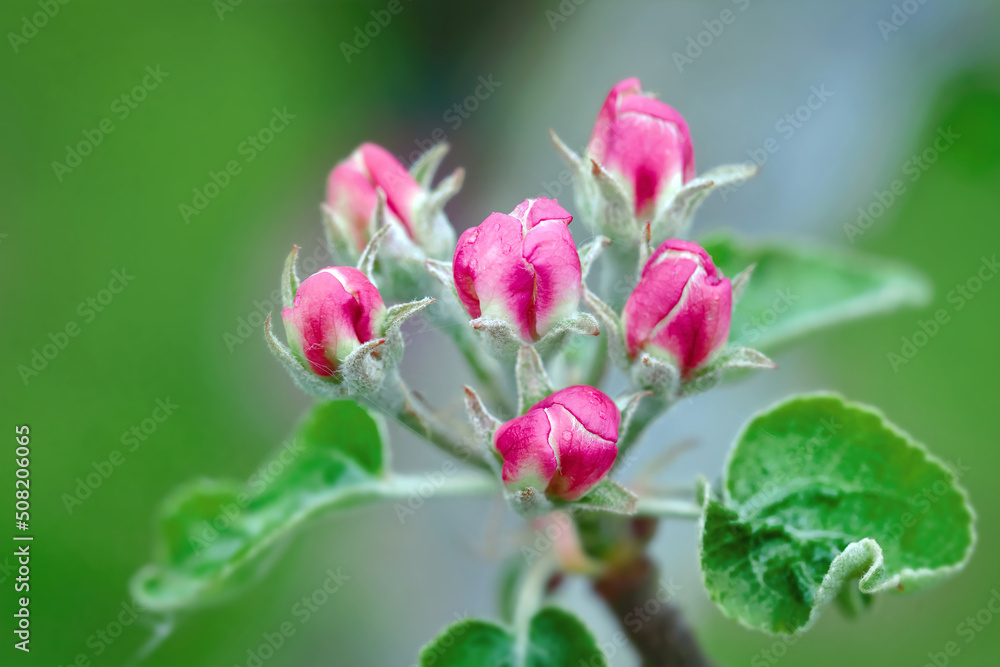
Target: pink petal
(595, 411)
(584, 458)
(523, 442)
(369, 301)
(654, 298)
(645, 141)
(334, 311)
(350, 193)
(531, 212)
(400, 188)
(491, 276)
(607, 115)
(550, 250)
(701, 325)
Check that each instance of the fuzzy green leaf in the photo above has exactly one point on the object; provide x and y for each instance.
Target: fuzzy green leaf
(796, 290)
(607, 496)
(818, 492)
(216, 536)
(555, 638)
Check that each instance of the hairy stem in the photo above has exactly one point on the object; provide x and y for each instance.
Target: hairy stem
(460, 484)
(397, 401)
(649, 410)
(485, 369)
(529, 600)
(598, 364)
(676, 508)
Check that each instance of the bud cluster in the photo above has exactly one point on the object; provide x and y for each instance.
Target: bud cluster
(519, 280)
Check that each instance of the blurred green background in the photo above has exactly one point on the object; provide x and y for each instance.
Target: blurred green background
(175, 332)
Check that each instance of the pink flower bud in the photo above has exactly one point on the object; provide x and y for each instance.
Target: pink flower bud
(334, 311)
(681, 307)
(522, 268)
(645, 143)
(350, 191)
(565, 444)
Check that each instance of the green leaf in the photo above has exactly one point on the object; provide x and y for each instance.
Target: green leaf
(818, 492)
(555, 638)
(217, 536)
(607, 496)
(796, 290)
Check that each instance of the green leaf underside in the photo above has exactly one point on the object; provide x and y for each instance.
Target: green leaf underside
(796, 290)
(556, 638)
(217, 535)
(607, 496)
(818, 492)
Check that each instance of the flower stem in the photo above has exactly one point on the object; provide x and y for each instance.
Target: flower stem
(674, 508)
(529, 600)
(459, 484)
(650, 409)
(397, 401)
(485, 370)
(598, 364)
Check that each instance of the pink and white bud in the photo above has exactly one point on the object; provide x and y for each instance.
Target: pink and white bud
(644, 143)
(334, 311)
(564, 445)
(350, 193)
(522, 268)
(681, 308)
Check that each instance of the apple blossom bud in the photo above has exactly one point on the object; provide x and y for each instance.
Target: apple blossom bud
(334, 312)
(350, 192)
(681, 308)
(564, 445)
(522, 268)
(644, 143)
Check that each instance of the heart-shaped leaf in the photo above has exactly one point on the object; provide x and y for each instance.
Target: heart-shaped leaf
(818, 492)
